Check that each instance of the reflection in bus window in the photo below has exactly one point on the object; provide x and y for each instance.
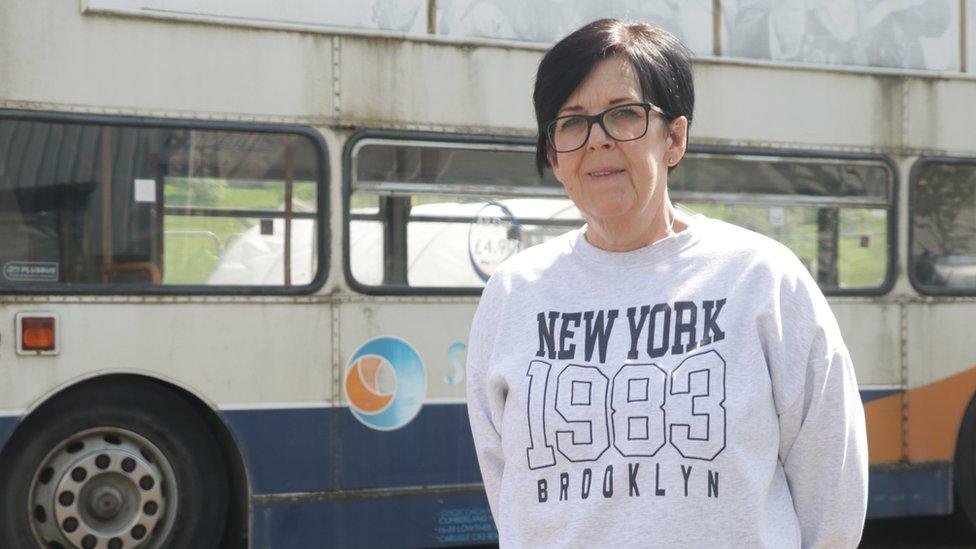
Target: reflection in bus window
(443, 215)
(832, 213)
(943, 247)
(91, 204)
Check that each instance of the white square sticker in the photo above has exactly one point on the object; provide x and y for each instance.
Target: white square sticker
(145, 190)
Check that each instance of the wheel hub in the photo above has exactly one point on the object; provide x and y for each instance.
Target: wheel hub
(103, 489)
(105, 502)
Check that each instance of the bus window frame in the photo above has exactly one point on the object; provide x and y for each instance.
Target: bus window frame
(891, 255)
(913, 175)
(322, 216)
(449, 139)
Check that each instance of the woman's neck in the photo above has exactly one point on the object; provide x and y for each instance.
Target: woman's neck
(628, 233)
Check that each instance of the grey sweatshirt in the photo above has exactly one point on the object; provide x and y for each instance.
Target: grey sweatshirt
(695, 392)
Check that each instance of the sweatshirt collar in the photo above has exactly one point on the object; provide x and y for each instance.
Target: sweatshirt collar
(660, 250)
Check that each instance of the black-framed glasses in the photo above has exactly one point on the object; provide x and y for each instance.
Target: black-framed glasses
(621, 123)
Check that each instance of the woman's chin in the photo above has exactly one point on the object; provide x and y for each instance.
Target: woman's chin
(614, 212)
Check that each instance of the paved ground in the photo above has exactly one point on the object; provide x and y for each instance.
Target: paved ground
(916, 533)
(928, 533)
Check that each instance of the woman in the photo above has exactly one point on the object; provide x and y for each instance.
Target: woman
(653, 379)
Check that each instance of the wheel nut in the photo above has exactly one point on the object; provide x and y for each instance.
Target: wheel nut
(102, 461)
(128, 465)
(66, 498)
(88, 542)
(79, 474)
(150, 508)
(70, 524)
(138, 531)
(147, 482)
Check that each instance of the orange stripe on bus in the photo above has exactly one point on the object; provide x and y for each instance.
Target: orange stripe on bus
(884, 429)
(934, 414)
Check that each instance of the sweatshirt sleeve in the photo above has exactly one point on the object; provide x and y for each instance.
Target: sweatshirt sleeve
(823, 442)
(485, 396)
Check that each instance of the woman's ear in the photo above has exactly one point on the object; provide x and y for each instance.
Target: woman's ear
(678, 140)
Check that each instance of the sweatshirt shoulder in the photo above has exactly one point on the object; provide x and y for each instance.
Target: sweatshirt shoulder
(529, 263)
(748, 247)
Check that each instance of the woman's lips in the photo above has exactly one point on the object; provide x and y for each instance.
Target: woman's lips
(604, 173)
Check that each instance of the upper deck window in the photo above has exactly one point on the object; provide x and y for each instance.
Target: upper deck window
(115, 207)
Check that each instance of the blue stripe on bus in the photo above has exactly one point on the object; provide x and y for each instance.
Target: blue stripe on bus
(456, 519)
(286, 450)
(910, 491)
(7, 426)
(435, 448)
(304, 449)
(873, 394)
(322, 449)
(402, 521)
(462, 518)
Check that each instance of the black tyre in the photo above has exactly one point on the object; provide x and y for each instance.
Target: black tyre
(119, 464)
(964, 472)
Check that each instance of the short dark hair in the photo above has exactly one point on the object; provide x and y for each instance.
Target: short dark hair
(661, 61)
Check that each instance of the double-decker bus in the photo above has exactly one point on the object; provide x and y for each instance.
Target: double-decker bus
(241, 245)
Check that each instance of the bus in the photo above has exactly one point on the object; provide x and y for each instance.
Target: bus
(242, 242)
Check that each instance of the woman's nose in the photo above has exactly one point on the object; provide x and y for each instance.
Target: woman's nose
(599, 138)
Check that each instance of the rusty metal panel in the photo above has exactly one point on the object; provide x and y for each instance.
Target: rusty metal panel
(938, 117)
(145, 65)
(232, 354)
(437, 332)
(871, 332)
(938, 337)
(388, 82)
(764, 105)
(941, 370)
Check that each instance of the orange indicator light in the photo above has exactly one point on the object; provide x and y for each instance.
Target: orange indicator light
(37, 333)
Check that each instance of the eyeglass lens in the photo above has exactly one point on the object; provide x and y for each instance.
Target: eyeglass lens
(624, 123)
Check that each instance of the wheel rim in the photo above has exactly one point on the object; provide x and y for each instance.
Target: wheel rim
(107, 488)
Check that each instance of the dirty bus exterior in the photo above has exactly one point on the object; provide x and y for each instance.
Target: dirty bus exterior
(289, 235)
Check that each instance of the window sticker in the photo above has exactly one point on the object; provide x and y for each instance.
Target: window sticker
(145, 190)
(30, 271)
(494, 236)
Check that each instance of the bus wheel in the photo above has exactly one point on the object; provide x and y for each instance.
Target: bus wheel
(113, 469)
(965, 472)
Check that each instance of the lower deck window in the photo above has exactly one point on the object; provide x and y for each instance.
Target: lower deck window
(943, 218)
(444, 215)
(87, 205)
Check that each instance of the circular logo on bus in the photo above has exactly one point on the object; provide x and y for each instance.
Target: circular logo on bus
(494, 236)
(385, 383)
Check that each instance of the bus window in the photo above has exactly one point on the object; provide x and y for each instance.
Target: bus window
(87, 206)
(943, 223)
(833, 213)
(444, 215)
